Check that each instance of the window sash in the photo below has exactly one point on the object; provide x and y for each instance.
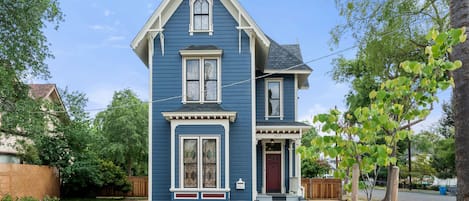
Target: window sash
(200, 162)
(201, 16)
(274, 98)
(202, 79)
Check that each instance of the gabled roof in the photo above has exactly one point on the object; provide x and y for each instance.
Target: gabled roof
(41, 90)
(46, 91)
(286, 58)
(165, 10)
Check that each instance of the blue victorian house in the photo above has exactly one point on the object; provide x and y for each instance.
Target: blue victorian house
(223, 112)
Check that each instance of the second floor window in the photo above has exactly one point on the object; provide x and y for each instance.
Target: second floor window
(274, 102)
(202, 79)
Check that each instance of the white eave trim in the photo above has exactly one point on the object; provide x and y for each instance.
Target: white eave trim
(231, 116)
(153, 18)
(235, 9)
(217, 53)
(282, 71)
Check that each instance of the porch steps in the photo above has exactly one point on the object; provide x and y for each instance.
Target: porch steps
(279, 198)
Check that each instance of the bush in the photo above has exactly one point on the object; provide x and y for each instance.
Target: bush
(114, 176)
(7, 197)
(28, 198)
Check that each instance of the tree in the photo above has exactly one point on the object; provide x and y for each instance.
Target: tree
(459, 18)
(124, 127)
(387, 32)
(23, 50)
(395, 106)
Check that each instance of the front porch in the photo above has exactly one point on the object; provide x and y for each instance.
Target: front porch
(278, 164)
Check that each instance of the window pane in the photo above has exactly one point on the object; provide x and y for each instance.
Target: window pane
(193, 91)
(210, 69)
(190, 163)
(274, 90)
(204, 9)
(198, 22)
(192, 69)
(274, 107)
(204, 25)
(198, 7)
(210, 90)
(209, 163)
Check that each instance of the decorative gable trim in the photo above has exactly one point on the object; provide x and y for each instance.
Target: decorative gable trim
(166, 9)
(169, 116)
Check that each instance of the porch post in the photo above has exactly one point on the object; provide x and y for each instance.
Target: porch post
(298, 164)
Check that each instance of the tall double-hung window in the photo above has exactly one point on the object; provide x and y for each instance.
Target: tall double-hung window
(201, 76)
(274, 98)
(201, 16)
(200, 162)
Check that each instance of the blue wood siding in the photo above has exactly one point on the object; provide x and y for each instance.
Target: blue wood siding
(287, 166)
(167, 75)
(205, 131)
(288, 97)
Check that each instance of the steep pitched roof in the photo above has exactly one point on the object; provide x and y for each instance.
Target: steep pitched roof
(166, 9)
(284, 58)
(41, 90)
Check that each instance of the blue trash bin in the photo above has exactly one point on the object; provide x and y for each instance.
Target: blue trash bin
(442, 190)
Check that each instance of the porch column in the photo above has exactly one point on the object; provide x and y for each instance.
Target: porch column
(290, 159)
(298, 165)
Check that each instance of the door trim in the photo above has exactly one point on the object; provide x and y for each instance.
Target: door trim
(282, 168)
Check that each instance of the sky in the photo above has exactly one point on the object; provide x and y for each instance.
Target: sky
(93, 55)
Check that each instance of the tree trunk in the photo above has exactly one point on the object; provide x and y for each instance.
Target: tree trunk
(388, 184)
(129, 166)
(459, 11)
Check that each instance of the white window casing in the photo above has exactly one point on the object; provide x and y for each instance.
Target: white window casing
(266, 89)
(201, 78)
(193, 13)
(200, 169)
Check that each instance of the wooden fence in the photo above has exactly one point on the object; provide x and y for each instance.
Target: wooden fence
(139, 188)
(322, 189)
(20, 180)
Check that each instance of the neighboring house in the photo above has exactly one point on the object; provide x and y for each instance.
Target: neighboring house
(222, 127)
(8, 143)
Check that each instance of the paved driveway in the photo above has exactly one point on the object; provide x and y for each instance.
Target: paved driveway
(413, 196)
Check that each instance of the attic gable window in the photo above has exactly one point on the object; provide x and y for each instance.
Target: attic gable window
(201, 16)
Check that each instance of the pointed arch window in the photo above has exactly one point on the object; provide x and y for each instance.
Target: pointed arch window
(201, 16)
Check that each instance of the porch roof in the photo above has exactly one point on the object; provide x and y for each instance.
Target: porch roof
(280, 130)
(200, 112)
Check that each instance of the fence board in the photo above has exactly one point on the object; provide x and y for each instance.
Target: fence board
(322, 189)
(139, 188)
(19, 180)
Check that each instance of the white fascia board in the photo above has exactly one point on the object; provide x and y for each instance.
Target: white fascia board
(162, 14)
(234, 7)
(281, 71)
(282, 127)
(201, 52)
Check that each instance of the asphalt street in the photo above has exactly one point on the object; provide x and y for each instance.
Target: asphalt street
(378, 194)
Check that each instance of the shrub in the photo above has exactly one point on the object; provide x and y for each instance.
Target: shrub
(7, 197)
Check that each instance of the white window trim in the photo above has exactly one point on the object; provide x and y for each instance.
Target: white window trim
(201, 79)
(226, 125)
(266, 101)
(199, 139)
(210, 19)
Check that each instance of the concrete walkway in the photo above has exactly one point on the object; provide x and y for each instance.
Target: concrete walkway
(405, 195)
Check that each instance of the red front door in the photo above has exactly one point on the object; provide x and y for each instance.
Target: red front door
(273, 173)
